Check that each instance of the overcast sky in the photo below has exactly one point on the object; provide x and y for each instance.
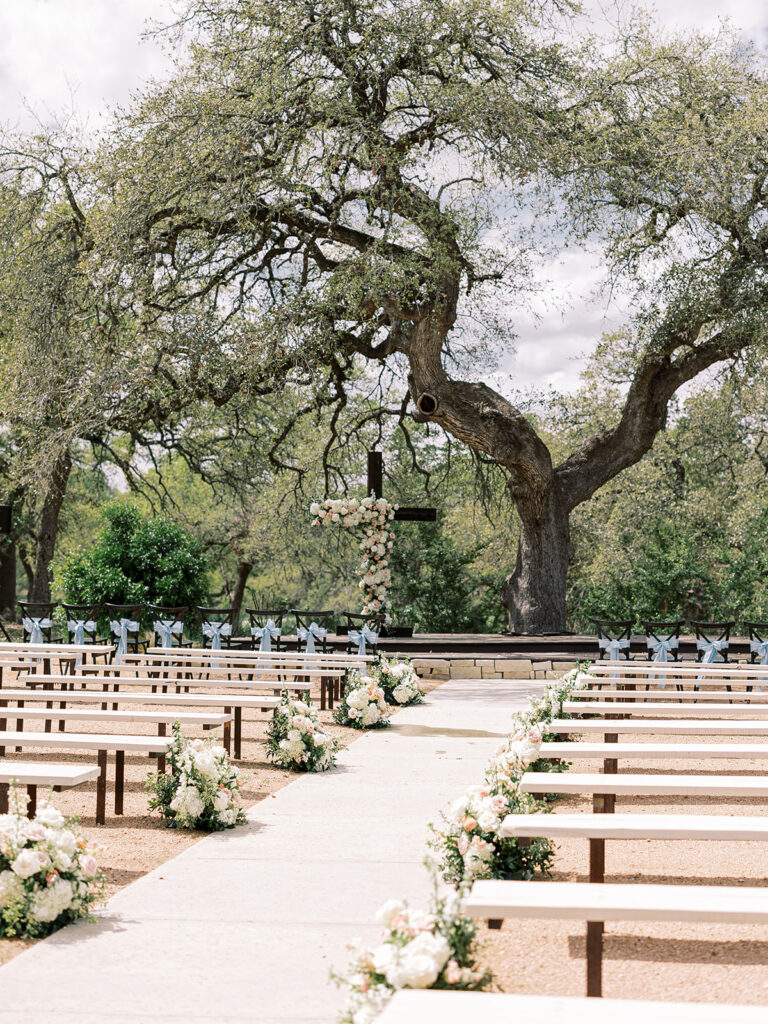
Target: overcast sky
(56, 55)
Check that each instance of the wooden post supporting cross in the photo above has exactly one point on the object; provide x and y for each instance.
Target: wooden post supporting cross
(410, 514)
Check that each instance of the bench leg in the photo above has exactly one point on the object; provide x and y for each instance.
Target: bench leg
(3, 797)
(101, 789)
(597, 860)
(62, 723)
(119, 780)
(31, 800)
(322, 695)
(594, 958)
(228, 737)
(238, 732)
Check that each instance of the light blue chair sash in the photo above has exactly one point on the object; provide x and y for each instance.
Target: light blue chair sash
(612, 647)
(165, 629)
(662, 648)
(34, 625)
(307, 635)
(79, 627)
(712, 649)
(121, 628)
(215, 631)
(265, 634)
(760, 647)
(363, 636)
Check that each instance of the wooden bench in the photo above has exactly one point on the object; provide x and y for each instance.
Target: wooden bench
(162, 719)
(597, 828)
(278, 657)
(659, 708)
(420, 1006)
(244, 677)
(678, 670)
(606, 787)
(662, 727)
(684, 696)
(34, 774)
(582, 901)
(103, 743)
(230, 703)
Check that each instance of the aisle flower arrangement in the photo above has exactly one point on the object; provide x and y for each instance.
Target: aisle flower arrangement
(48, 874)
(469, 842)
(399, 681)
(418, 949)
(373, 515)
(364, 705)
(202, 790)
(296, 739)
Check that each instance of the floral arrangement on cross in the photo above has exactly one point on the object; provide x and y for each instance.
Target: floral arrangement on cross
(374, 516)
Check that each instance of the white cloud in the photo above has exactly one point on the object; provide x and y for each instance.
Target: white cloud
(91, 49)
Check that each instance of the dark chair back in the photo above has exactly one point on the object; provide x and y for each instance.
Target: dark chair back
(37, 621)
(662, 640)
(125, 628)
(266, 629)
(363, 632)
(218, 625)
(712, 640)
(614, 637)
(83, 623)
(758, 642)
(312, 630)
(168, 625)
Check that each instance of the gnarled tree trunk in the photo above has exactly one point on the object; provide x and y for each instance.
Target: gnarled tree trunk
(535, 591)
(243, 572)
(48, 529)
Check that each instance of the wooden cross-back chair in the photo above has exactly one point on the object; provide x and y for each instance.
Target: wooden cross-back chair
(614, 638)
(712, 641)
(82, 623)
(363, 632)
(125, 627)
(267, 629)
(218, 626)
(168, 625)
(312, 629)
(37, 621)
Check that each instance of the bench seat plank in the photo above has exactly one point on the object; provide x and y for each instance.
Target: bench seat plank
(681, 727)
(145, 681)
(38, 774)
(645, 785)
(571, 751)
(93, 715)
(432, 1005)
(582, 901)
(658, 708)
(119, 697)
(717, 827)
(737, 696)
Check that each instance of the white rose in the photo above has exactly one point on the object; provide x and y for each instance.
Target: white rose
(50, 817)
(29, 862)
(221, 801)
(48, 904)
(388, 911)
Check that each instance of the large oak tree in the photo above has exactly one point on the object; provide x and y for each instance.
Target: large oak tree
(329, 172)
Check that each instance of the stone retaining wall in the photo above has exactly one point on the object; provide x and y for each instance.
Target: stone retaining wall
(490, 668)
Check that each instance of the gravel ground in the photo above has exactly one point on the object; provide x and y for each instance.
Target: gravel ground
(129, 846)
(647, 960)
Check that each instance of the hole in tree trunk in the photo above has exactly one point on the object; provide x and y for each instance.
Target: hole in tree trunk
(427, 404)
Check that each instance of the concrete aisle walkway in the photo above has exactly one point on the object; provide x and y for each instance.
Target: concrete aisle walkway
(245, 925)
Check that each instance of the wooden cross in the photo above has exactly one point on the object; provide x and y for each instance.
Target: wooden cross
(408, 514)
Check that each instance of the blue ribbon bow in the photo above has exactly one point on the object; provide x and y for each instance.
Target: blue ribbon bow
(165, 628)
(612, 647)
(307, 634)
(711, 649)
(79, 627)
(121, 628)
(360, 636)
(34, 625)
(265, 633)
